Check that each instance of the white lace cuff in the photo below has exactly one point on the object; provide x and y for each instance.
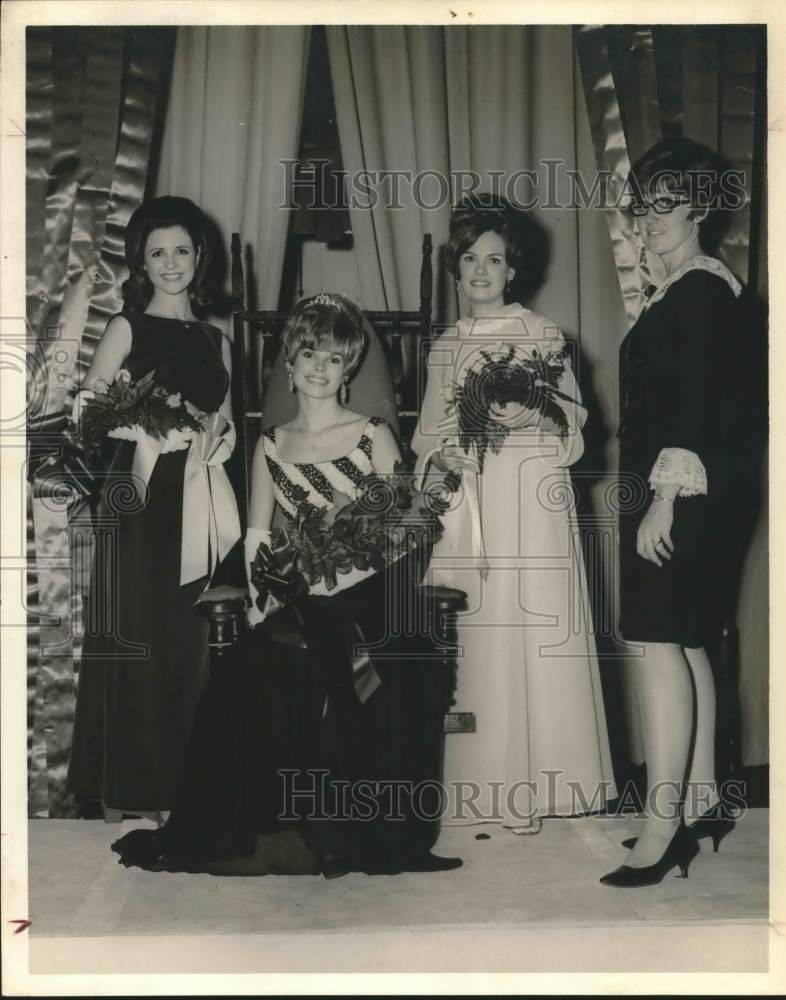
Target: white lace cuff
(677, 465)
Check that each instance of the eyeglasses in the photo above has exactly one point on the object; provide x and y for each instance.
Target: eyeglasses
(661, 206)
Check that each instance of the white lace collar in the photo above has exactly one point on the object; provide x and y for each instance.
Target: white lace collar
(700, 262)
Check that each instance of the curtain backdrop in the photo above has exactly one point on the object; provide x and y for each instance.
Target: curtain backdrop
(422, 99)
(492, 101)
(234, 115)
(502, 99)
(94, 98)
(92, 101)
(388, 84)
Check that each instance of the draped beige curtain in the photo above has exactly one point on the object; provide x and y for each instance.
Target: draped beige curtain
(499, 100)
(234, 116)
(388, 83)
(488, 101)
(439, 100)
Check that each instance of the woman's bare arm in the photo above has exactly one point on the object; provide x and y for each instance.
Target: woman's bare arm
(112, 350)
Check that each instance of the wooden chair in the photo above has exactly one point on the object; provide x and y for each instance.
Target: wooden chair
(404, 337)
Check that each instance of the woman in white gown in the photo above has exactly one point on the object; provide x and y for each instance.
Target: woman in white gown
(527, 665)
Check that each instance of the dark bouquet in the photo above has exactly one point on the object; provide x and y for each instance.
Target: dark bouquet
(501, 376)
(389, 518)
(128, 409)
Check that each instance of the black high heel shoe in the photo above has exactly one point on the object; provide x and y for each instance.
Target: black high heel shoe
(683, 848)
(715, 823)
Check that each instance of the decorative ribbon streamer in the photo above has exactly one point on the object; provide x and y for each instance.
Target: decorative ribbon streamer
(38, 798)
(365, 679)
(274, 574)
(64, 475)
(38, 154)
(55, 687)
(103, 68)
(611, 152)
(472, 493)
(211, 522)
(251, 541)
(91, 107)
(147, 51)
(633, 67)
(55, 96)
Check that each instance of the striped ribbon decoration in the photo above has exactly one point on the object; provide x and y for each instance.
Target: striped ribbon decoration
(642, 84)
(611, 152)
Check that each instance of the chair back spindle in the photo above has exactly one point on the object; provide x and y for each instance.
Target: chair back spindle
(403, 334)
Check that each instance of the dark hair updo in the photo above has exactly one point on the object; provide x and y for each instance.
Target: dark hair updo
(695, 172)
(164, 213)
(327, 322)
(526, 247)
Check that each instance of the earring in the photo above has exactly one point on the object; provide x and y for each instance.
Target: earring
(291, 380)
(343, 392)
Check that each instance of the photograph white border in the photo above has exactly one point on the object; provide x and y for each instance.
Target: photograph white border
(654, 944)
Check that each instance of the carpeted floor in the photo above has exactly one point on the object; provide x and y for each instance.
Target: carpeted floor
(518, 904)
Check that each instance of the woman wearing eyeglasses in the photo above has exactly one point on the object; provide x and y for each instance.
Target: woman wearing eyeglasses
(677, 433)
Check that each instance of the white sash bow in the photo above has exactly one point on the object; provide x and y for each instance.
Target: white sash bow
(211, 523)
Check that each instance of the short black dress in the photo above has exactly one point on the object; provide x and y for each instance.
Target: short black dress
(144, 659)
(681, 387)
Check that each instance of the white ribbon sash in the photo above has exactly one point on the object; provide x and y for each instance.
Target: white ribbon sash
(472, 490)
(211, 523)
(471, 482)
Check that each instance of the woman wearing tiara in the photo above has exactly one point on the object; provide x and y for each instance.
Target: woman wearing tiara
(336, 734)
(527, 665)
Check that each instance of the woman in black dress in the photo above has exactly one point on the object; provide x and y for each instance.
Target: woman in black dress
(144, 659)
(304, 758)
(679, 421)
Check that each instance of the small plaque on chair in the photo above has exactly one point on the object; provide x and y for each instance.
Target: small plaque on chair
(459, 722)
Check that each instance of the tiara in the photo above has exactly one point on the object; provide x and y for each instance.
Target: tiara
(323, 299)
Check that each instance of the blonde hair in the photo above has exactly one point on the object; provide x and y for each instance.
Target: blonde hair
(326, 322)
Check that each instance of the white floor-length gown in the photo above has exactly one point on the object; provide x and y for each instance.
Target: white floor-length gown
(529, 668)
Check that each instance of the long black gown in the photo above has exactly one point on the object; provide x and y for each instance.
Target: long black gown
(683, 384)
(144, 659)
(292, 772)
